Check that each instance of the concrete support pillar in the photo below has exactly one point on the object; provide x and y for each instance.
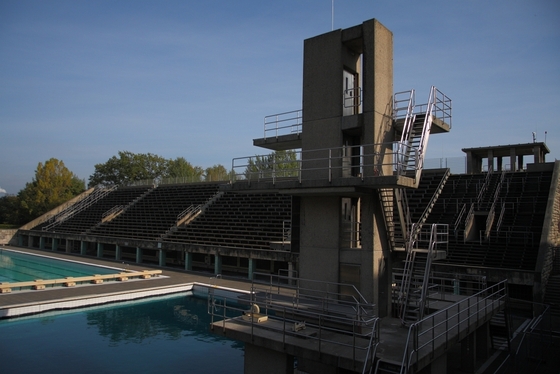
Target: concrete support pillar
(162, 257)
(41, 242)
(512, 159)
(100, 250)
(138, 255)
(118, 252)
(217, 264)
(500, 159)
(83, 248)
(490, 160)
(468, 353)
(188, 260)
(54, 247)
(252, 266)
(483, 342)
(20, 240)
(520, 162)
(439, 365)
(257, 358)
(68, 246)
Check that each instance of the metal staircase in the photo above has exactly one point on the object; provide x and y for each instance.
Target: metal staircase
(410, 152)
(425, 246)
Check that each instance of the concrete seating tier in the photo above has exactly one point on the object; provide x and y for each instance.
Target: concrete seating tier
(238, 220)
(515, 242)
(154, 214)
(84, 220)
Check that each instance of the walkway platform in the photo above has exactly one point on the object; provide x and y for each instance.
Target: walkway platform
(27, 302)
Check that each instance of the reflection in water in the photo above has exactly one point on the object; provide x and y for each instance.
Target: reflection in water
(169, 335)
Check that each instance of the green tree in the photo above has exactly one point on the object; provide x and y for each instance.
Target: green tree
(181, 168)
(9, 210)
(279, 164)
(216, 173)
(129, 167)
(53, 185)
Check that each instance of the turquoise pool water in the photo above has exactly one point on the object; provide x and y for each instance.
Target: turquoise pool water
(164, 335)
(22, 267)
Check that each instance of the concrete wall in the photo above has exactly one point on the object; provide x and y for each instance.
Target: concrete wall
(550, 236)
(319, 254)
(6, 236)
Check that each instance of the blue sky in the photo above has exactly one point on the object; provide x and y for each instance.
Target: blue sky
(82, 80)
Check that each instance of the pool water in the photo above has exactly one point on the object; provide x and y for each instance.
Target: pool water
(163, 335)
(22, 267)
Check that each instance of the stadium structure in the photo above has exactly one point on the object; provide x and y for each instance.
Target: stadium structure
(361, 259)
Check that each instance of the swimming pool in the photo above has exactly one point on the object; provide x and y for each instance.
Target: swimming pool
(22, 267)
(167, 335)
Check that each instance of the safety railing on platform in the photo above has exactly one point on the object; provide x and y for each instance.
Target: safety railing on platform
(450, 325)
(292, 307)
(442, 108)
(285, 123)
(328, 163)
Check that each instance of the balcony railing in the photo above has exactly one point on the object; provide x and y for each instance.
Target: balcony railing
(372, 160)
(285, 123)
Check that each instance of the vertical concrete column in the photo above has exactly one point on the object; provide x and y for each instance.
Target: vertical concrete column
(138, 255)
(257, 358)
(68, 246)
(520, 162)
(188, 261)
(41, 242)
(512, 158)
(490, 159)
(439, 365)
(100, 250)
(218, 264)
(468, 353)
(83, 248)
(54, 245)
(161, 257)
(500, 159)
(252, 266)
(118, 252)
(20, 240)
(483, 343)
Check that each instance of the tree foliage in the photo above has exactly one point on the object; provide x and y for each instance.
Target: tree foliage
(129, 167)
(181, 168)
(53, 185)
(278, 163)
(216, 173)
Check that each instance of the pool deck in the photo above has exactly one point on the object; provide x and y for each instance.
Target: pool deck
(25, 302)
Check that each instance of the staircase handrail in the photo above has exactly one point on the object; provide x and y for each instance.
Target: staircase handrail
(435, 196)
(114, 209)
(83, 204)
(481, 300)
(459, 217)
(189, 211)
(490, 218)
(484, 186)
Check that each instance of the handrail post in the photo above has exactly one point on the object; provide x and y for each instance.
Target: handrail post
(330, 165)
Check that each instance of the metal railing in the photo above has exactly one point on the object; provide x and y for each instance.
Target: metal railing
(86, 202)
(450, 325)
(352, 98)
(283, 123)
(294, 307)
(327, 163)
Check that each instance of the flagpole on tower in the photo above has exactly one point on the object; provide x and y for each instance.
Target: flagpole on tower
(332, 15)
